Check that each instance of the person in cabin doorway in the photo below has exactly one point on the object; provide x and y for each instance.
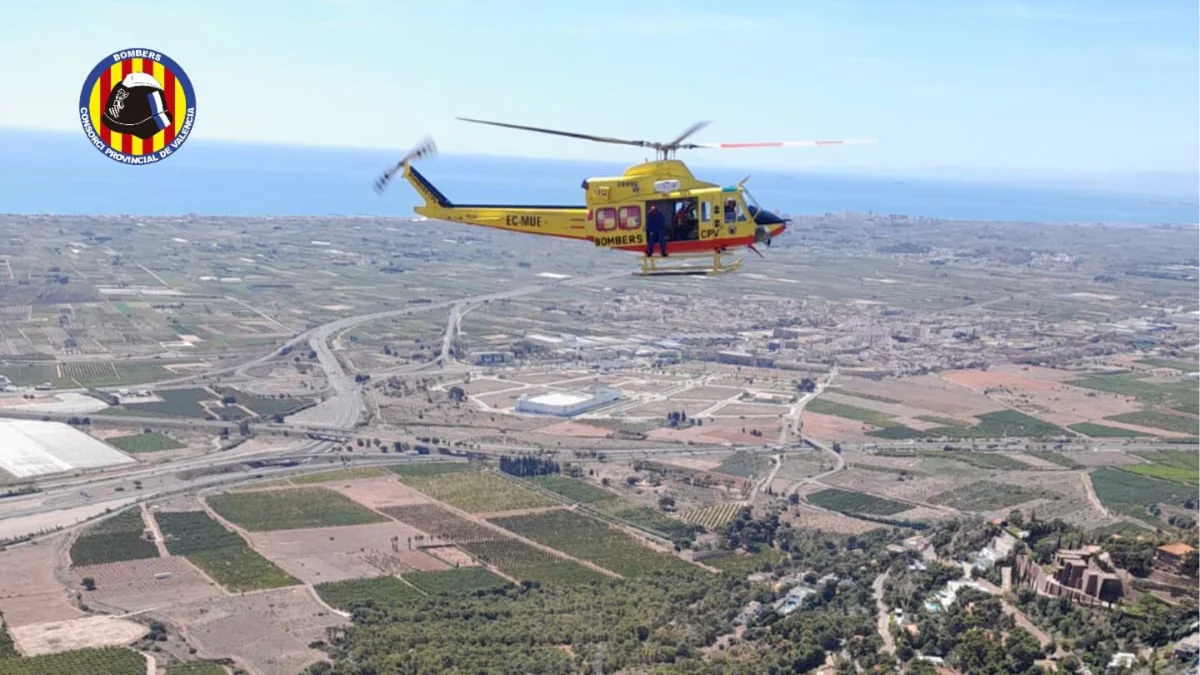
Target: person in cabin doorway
(656, 230)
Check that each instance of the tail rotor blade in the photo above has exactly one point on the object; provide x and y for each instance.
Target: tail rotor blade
(423, 150)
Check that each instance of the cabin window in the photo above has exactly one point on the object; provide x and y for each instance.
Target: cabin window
(606, 219)
(629, 217)
(705, 211)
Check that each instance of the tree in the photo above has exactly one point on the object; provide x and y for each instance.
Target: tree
(666, 502)
(89, 583)
(1016, 518)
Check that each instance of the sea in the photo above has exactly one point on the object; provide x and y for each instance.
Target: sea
(61, 173)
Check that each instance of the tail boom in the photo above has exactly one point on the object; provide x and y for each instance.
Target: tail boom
(569, 222)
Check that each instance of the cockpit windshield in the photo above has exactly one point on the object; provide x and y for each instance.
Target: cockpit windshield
(751, 203)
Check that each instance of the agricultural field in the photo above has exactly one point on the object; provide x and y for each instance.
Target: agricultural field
(616, 506)
(138, 585)
(1181, 366)
(1055, 458)
(744, 464)
(987, 496)
(427, 469)
(514, 558)
(264, 406)
(111, 374)
(1167, 421)
(385, 591)
(182, 403)
(152, 442)
(1129, 493)
(477, 492)
(291, 509)
(851, 503)
(223, 555)
(1174, 465)
(711, 517)
(1181, 395)
(574, 490)
(1000, 424)
(591, 540)
(106, 660)
(979, 460)
(458, 581)
(113, 540)
(1093, 430)
(357, 473)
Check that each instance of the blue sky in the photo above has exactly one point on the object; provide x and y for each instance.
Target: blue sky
(993, 86)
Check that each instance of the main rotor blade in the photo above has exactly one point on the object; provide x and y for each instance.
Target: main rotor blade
(781, 144)
(690, 130)
(569, 134)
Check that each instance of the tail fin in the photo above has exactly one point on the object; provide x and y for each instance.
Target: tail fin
(426, 148)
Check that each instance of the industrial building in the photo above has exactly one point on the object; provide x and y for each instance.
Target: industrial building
(567, 404)
(31, 448)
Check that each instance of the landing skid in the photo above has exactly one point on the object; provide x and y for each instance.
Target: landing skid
(719, 263)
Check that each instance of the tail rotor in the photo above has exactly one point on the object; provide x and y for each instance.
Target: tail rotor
(423, 150)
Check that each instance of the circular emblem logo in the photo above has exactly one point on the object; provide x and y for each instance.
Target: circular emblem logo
(137, 106)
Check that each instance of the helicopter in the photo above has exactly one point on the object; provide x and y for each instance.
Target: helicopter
(704, 220)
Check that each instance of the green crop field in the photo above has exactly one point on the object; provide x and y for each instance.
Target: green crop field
(112, 374)
(1182, 394)
(1055, 457)
(850, 412)
(1094, 430)
(188, 532)
(430, 468)
(264, 406)
(477, 492)
(241, 569)
(342, 474)
(457, 581)
(574, 490)
(711, 517)
(175, 403)
(866, 396)
(979, 460)
(987, 496)
(514, 558)
(113, 540)
(1173, 465)
(1182, 366)
(152, 442)
(844, 501)
(744, 464)
(222, 554)
(589, 539)
(291, 509)
(1159, 420)
(1001, 424)
(616, 506)
(33, 374)
(382, 591)
(1131, 494)
(106, 660)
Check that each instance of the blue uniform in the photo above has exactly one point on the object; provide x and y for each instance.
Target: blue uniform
(656, 230)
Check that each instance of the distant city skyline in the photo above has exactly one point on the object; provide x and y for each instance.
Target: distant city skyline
(991, 88)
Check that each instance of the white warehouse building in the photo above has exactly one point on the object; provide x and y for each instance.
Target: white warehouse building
(567, 405)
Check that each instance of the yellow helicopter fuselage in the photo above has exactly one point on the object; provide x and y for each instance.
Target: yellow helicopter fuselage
(700, 216)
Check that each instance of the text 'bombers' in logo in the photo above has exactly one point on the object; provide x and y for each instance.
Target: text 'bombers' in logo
(137, 106)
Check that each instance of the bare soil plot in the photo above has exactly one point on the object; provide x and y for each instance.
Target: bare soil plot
(575, 430)
(451, 555)
(89, 631)
(545, 378)
(509, 399)
(752, 410)
(892, 409)
(269, 631)
(1103, 458)
(29, 593)
(317, 555)
(807, 518)
(380, 492)
(709, 393)
(927, 392)
(134, 585)
(661, 408)
(484, 386)
(831, 428)
(706, 463)
(979, 380)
